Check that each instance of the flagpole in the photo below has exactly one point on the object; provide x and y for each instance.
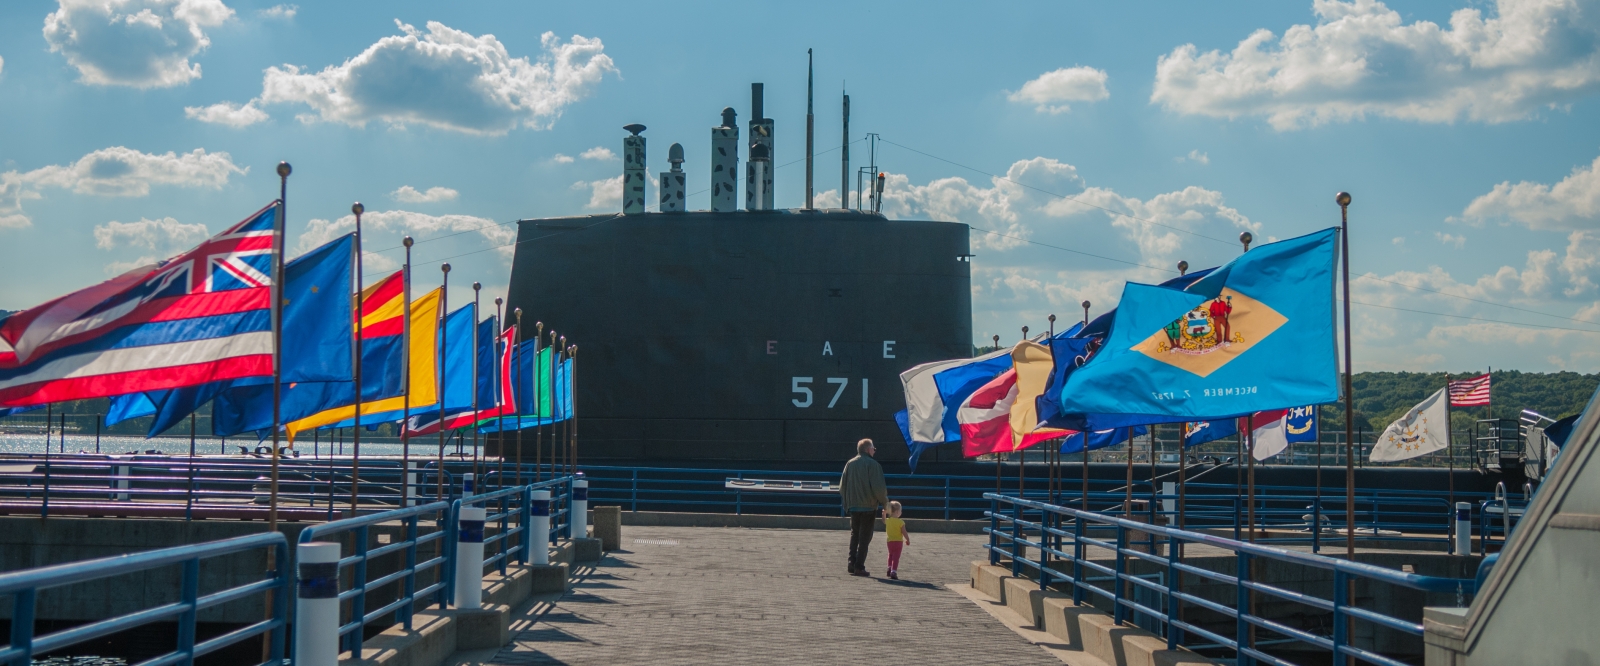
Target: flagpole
(355, 433)
(1052, 455)
(538, 430)
(476, 288)
(277, 376)
(572, 397)
(1022, 454)
(1127, 502)
(1450, 451)
(405, 379)
(555, 378)
(500, 414)
(1250, 455)
(518, 366)
(442, 356)
(1085, 433)
(1343, 199)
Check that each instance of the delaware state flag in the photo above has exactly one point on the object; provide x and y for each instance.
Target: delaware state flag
(1256, 334)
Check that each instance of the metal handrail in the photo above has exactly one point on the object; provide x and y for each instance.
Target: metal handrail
(1017, 533)
(405, 605)
(23, 587)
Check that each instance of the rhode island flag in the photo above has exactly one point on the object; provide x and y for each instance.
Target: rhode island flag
(1256, 334)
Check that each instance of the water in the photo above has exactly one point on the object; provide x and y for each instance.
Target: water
(426, 446)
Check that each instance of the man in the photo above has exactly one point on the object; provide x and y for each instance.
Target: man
(863, 492)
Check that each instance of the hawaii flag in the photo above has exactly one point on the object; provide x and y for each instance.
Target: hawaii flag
(1424, 429)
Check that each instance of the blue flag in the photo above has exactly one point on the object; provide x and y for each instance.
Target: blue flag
(456, 359)
(1100, 439)
(128, 406)
(1300, 424)
(1254, 335)
(1196, 433)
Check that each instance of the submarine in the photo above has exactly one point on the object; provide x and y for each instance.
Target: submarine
(742, 334)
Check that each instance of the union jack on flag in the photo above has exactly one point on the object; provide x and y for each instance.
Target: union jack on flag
(203, 316)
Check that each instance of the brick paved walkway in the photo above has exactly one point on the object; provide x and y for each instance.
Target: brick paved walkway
(681, 595)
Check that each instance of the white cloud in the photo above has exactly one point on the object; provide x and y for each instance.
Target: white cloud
(448, 79)
(165, 233)
(1573, 203)
(1052, 90)
(598, 154)
(279, 12)
(558, 158)
(409, 194)
(1193, 156)
(116, 171)
(604, 194)
(1451, 239)
(1362, 59)
(227, 113)
(377, 224)
(827, 199)
(120, 267)
(1398, 240)
(137, 43)
(2, 64)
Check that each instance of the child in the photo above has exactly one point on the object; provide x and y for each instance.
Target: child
(897, 537)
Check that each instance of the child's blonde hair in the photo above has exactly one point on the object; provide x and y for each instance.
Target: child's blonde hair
(894, 509)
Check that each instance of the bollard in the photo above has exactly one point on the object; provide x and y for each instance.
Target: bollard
(539, 508)
(469, 559)
(316, 608)
(578, 521)
(467, 485)
(1169, 503)
(1463, 543)
(122, 482)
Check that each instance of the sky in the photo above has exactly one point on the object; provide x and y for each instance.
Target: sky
(1087, 144)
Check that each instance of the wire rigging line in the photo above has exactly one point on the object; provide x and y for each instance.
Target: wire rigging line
(1474, 300)
(1063, 196)
(1493, 321)
(1067, 249)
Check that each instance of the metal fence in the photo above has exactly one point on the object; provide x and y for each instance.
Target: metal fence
(23, 587)
(1098, 557)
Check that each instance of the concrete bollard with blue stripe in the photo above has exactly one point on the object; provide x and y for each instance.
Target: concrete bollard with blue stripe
(1463, 528)
(578, 522)
(469, 558)
(468, 485)
(316, 607)
(539, 509)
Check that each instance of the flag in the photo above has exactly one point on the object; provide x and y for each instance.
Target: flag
(456, 368)
(1300, 424)
(1255, 334)
(927, 401)
(128, 406)
(1032, 364)
(1473, 392)
(554, 403)
(1424, 429)
(422, 358)
(1274, 430)
(18, 410)
(985, 416)
(1100, 439)
(317, 329)
(1270, 436)
(203, 316)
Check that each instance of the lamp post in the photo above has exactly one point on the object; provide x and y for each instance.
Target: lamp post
(355, 433)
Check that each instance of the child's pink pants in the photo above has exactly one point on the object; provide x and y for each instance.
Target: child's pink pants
(894, 554)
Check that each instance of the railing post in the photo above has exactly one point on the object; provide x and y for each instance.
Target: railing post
(994, 528)
(410, 607)
(22, 612)
(469, 558)
(738, 496)
(189, 595)
(1117, 582)
(633, 491)
(947, 498)
(524, 515)
(1077, 560)
(44, 507)
(1016, 529)
(1174, 588)
(316, 608)
(1341, 621)
(1241, 627)
(1044, 549)
(539, 511)
(505, 531)
(358, 601)
(1316, 525)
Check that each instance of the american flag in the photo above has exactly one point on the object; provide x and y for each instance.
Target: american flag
(200, 317)
(1473, 392)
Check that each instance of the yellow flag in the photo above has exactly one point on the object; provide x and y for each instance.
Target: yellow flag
(422, 356)
(1032, 363)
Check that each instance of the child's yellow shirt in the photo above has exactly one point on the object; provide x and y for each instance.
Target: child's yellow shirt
(896, 528)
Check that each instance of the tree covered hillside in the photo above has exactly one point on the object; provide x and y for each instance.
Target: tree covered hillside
(1382, 397)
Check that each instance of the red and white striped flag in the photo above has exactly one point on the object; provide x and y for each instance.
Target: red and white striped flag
(1472, 392)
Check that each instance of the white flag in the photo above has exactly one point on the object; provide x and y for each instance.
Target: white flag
(1424, 429)
(1270, 438)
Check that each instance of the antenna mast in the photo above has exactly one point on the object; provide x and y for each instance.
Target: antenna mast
(844, 158)
(811, 130)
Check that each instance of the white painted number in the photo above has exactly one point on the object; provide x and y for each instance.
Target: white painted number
(842, 382)
(795, 387)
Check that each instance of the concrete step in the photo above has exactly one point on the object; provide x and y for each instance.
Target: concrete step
(1080, 629)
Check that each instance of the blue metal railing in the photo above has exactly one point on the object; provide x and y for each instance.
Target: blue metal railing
(1063, 538)
(406, 603)
(23, 587)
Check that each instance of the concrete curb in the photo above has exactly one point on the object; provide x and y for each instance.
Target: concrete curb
(689, 519)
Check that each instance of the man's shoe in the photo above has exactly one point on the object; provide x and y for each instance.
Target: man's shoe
(862, 572)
